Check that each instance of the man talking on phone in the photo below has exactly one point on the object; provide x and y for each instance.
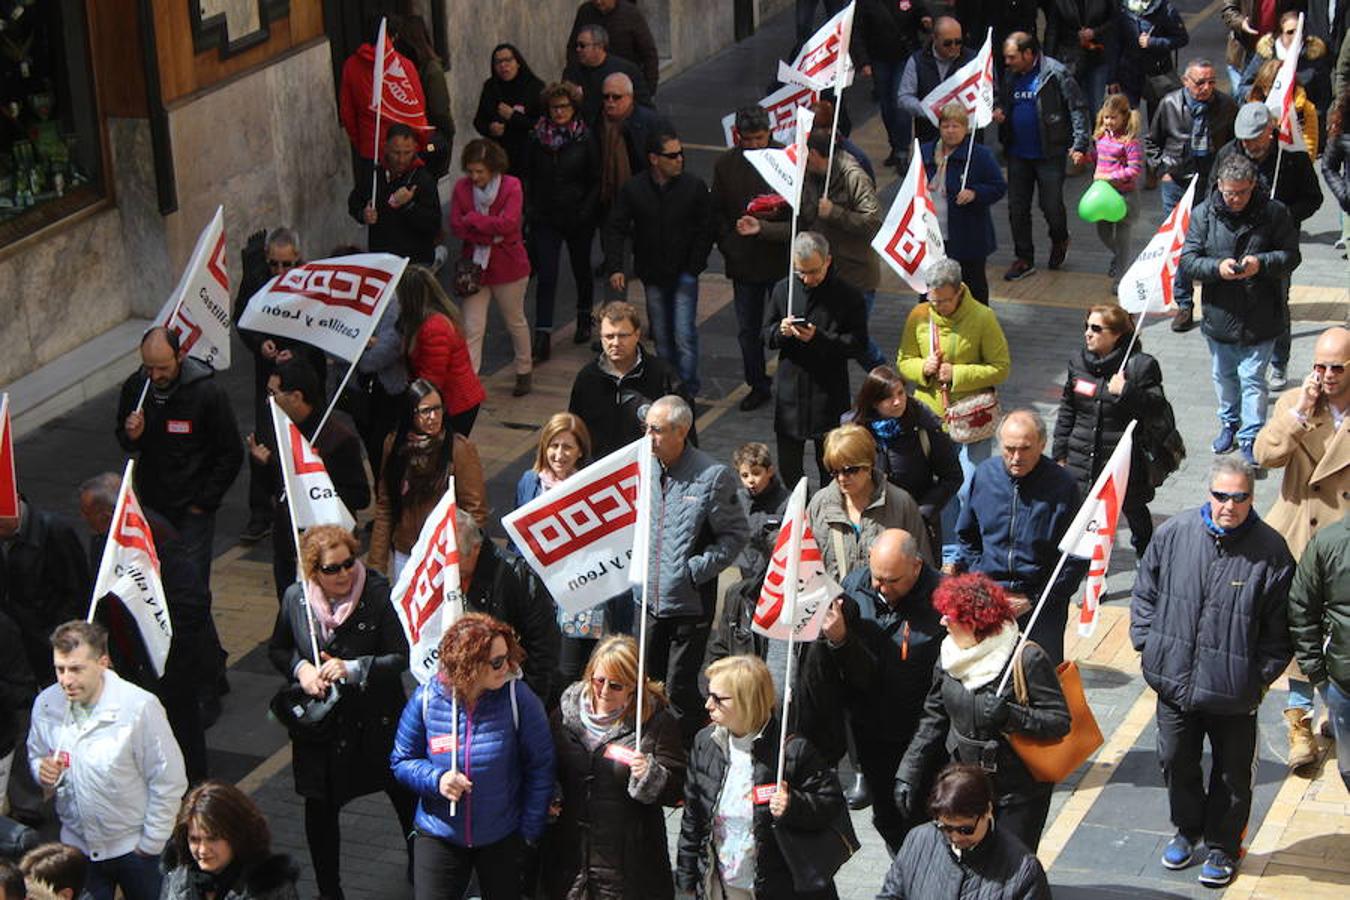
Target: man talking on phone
(1307, 436)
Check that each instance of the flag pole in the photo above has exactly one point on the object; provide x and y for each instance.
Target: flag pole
(834, 127)
(378, 90)
(792, 236)
(791, 574)
(643, 502)
(145, 388)
(454, 748)
(1031, 623)
(969, 154)
(1134, 335)
(1279, 158)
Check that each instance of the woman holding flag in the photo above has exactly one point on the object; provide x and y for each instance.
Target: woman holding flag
(1103, 391)
(610, 837)
(337, 631)
(734, 810)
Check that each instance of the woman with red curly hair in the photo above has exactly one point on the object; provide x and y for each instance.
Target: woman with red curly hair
(966, 716)
(474, 745)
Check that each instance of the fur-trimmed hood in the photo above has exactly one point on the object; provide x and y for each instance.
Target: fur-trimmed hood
(271, 878)
(1314, 47)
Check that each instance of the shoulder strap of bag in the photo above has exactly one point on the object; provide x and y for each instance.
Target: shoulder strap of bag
(925, 443)
(515, 707)
(1020, 692)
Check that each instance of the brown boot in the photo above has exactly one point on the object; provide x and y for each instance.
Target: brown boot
(1302, 747)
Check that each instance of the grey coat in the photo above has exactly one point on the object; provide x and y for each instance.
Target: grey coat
(698, 527)
(998, 868)
(891, 507)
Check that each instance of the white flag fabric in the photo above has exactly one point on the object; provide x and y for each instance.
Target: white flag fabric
(784, 170)
(428, 598)
(972, 85)
(1092, 533)
(333, 304)
(198, 310)
(580, 536)
(642, 524)
(823, 60)
(130, 569)
(910, 240)
(1146, 285)
(1280, 100)
(309, 491)
(796, 589)
(782, 106)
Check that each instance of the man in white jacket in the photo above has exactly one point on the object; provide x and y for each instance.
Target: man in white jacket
(103, 746)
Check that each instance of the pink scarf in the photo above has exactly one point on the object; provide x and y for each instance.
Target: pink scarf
(332, 613)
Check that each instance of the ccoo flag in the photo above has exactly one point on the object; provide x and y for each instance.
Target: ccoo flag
(198, 311)
(309, 491)
(784, 170)
(1092, 533)
(783, 106)
(796, 590)
(823, 61)
(910, 240)
(428, 598)
(1280, 100)
(972, 86)
(1147, 283)
(130, 570)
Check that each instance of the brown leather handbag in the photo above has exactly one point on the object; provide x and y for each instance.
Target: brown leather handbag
(1053, 759)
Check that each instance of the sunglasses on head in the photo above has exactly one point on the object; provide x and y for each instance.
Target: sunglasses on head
(1333, 368)
(334, 568)
(1233, 497)
(497, 662)
(963, 830)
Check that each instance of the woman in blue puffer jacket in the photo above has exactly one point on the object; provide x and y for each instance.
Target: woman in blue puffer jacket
(481, 765)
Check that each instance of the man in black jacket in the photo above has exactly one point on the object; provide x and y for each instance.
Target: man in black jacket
(668, 216)
(185, 433)
(883, 637)
(887, 33)
(1209, 616)
(1296, 186)
(627, 32)
(1242, 246)
(594, 63)
(405, 215)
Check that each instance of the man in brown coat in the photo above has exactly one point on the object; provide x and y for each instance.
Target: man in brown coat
(1308, 437)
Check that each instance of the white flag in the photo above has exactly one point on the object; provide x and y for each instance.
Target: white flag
(823, 60)
(785, 170)
(309, 490)
(333, 304)
(130, 569)
(782, 106)
(972, 85)
(642, 524)
(910, 240)
(580, 537)
(796, 589)
(428, 598)
(1146, 285)
(1280, 100)
(1092, 533)
(198, 310)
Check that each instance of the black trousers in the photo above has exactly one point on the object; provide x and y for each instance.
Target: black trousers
(441, 870)
(878, 761)
(975, 277)
(1024, 812)
(323, 833)
(1141, 524)
(1218, 812)
(792, 456)
(675, 650)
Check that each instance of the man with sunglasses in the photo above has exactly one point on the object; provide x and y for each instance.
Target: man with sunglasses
(1307, 436)
(928, 67)
(593, 64)
(1209, 616)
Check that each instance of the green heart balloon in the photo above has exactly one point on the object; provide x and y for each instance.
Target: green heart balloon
(1101, 203)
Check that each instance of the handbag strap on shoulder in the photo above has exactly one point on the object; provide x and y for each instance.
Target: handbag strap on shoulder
(1020, 692)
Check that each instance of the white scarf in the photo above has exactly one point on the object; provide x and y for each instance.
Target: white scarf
(981, 664)
(483, 198)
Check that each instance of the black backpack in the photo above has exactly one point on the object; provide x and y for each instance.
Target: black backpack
(1162, 445)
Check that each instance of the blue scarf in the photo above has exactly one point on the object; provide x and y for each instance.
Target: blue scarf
(1199, 110)
(1219, 531)
(885, 430)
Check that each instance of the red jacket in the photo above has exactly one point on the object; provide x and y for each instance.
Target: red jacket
(404, 99)
(508, 261)
(440, 355)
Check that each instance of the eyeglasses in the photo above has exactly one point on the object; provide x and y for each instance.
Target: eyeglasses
(1235, 192)
(582, 45)
(1201, 82)
(1233, 497)
(953, 42)
(601, 683)
(504, 59)
(426, 412)
(498, 661)
(614, 97)
(1333, 368)
(1094, 327)
(558, 107)
(963, 830)
(334, 568)
(659, 429)
(282, 263)
(719, 699)
(848, 470)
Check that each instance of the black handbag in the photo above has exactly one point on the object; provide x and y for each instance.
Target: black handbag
(814, 856)
(307, 718)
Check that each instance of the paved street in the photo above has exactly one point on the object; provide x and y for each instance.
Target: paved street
(1108, 822)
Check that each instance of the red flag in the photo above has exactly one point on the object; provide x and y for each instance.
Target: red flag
(400, 97)
(9, 486)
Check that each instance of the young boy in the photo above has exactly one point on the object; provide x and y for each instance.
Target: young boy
(765, 498)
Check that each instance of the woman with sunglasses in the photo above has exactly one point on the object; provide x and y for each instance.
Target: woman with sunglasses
(610, 837)
(419, 460)
(343, 609)
(964, 851)
(1099, 400)
(474, 746)
(966, 713)
(732, 805)
(858, 504)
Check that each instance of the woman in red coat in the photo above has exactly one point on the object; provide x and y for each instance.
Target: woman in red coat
(486, 212)
(433, 341)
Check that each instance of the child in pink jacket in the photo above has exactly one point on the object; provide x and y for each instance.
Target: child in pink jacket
(1119, 156)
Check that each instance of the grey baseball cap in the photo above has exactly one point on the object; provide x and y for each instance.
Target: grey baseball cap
(1252, 119)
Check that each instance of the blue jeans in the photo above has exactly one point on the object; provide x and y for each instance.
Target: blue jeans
(1301, 695)
(1338, 706)
(970, 455)
(886, 89)
(750, 297)
(1172, 191)
(1046, 176)
(138, 877)
(872, 357)
(1093, 82)
(1240, 382)
(672, 310)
